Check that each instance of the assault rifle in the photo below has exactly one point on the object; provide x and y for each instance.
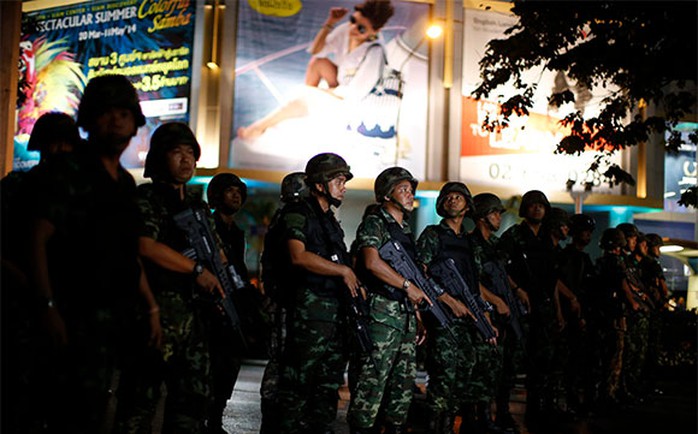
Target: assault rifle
(194, 223)
(358, 317)
(447, 274)
(500, 287)
(393, 253)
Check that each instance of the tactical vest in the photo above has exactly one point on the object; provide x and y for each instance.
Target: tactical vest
(407, 242)
(460, 250)
(325, 238)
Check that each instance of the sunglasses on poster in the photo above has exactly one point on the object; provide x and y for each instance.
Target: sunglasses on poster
(360, 27)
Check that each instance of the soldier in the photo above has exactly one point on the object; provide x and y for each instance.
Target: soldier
(493, 275)
(85, 266)
(313, 363)
(183, 361)
(532, 261)
(385, 377)
(226, 195)
(654, 280)
(54, 135)
(638, 306)
(457, 358)
(607, 303)
(275, 268)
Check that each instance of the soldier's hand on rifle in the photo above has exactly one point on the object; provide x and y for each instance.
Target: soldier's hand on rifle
(459, 309)
(523, 296)
(350, 280)
(416, 295)
(209, 283)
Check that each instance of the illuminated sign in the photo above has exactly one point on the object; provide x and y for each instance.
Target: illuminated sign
(62, 48)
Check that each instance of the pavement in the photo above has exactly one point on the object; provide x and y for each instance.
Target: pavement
(674, 411)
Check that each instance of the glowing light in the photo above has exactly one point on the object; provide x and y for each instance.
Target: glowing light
(671, 248)
(434, 31)
(212, 65)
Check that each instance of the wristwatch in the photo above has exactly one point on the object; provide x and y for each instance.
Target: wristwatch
(198, 269)
(406, 284)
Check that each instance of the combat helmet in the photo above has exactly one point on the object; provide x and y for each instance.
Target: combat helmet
(53, 127)
(454, 187)
(323, 168)
(556, 217)
(105, 92)
(654, 240)
(629, 230)
(531, 197)
(580, 223)
(387, 179)
(293, 187)
(219, 184)
(485, 203)
(166, 137)
(612, 238)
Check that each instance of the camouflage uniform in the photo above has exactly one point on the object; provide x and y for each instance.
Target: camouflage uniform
(313, 362)
(493, 274)
(385, 387)
(183, 361)
(577, 272)
(609, 324)
(652, 274)
(531, 257)
(462, 370)
(636, 338)
(94, 275)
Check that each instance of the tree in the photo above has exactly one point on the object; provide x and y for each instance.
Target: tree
(647, 51)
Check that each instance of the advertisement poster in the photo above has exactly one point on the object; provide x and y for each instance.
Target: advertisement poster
(680, 171)
(380, 125)
(62, 48)
(522, 155)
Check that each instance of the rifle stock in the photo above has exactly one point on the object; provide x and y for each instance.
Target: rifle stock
(501, 288)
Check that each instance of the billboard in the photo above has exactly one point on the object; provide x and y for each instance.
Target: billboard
(372, 123)
(62, 48)
(680, 171)
(522, 155)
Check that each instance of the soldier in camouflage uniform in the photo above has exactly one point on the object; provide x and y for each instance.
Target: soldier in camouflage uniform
(85, 263)
(382, 387)
(637, 309)
(610, 325)
(183, 361)
(226, 194)
(532, 265)
(577, 272)
(274, 264)
(653, 277)
(494, 276)
(314, 360)
(462, 374)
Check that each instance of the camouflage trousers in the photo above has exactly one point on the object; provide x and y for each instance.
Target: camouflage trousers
(636, 343)
(512, 350)
(182, 364)
(613, 347)
(383, 382)
(225, 349)
(486, 371)
(462, 368)
(312, 366)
